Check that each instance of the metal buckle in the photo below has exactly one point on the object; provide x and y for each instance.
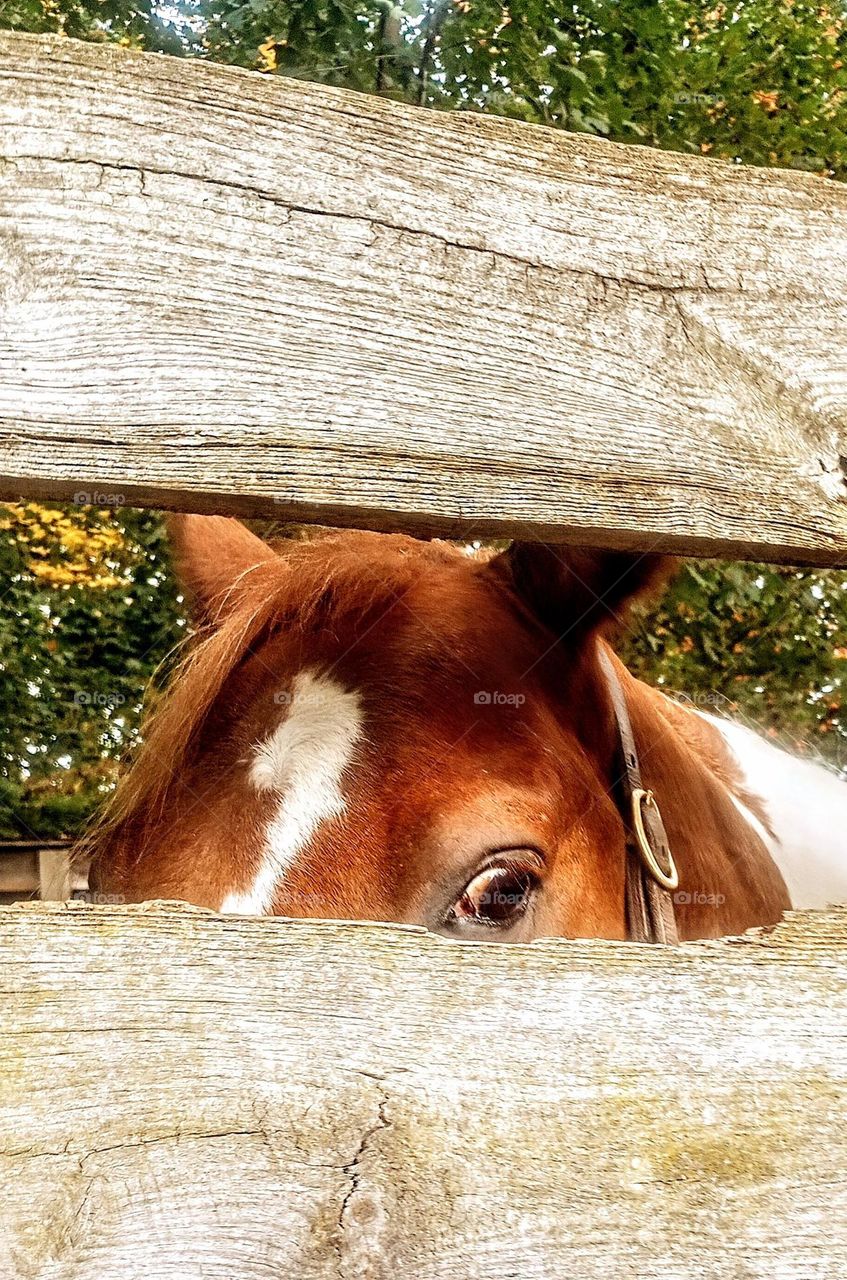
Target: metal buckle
(667, 879)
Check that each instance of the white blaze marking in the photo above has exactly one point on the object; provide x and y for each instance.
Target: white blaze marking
(303, 762)
(807, 809)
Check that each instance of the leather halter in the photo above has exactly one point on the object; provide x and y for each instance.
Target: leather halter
(651, 875)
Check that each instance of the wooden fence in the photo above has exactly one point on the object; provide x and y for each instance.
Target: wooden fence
(186, 1095)
(226, 292)
(234, 292)
(38, 868)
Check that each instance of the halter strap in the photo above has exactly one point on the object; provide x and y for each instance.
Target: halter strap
(651, 875)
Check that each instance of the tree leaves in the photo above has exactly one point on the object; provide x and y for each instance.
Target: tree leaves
(766, 644)
(88, 614)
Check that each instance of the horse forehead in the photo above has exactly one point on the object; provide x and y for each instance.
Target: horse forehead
(441, 644)
(299, 766)
(315, 738)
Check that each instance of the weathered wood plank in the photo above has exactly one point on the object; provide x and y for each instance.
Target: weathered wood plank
(226, 291)
(30, 868)
(19, 872)
(54, 875)
(186, 1095)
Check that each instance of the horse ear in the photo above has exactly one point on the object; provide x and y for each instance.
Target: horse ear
(210, 555)
(573, 590)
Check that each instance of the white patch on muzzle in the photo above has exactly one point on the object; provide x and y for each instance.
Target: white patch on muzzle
(303, 762)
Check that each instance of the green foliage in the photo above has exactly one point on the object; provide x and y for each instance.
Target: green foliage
(88, 614)
(130, 22)
(762, 81)
(757, 81)
(767, 645)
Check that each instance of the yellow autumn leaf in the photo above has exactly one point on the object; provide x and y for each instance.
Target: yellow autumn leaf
(768, 100)
(267, 60)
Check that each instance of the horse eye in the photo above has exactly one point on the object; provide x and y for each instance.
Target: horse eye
(497, 896)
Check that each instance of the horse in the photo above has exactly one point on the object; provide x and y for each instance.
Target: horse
(373, 726)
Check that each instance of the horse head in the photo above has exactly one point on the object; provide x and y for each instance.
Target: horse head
(372, 726)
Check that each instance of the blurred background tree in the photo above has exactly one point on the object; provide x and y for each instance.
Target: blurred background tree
(88, 616)
(89, 611)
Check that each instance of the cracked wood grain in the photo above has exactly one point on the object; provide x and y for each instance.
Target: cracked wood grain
(222, 291)
(196, 1097)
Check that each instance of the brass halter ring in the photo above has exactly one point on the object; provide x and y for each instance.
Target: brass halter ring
(667, 879)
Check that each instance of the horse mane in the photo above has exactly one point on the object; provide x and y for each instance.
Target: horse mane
(705, 741)
(344, 575)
